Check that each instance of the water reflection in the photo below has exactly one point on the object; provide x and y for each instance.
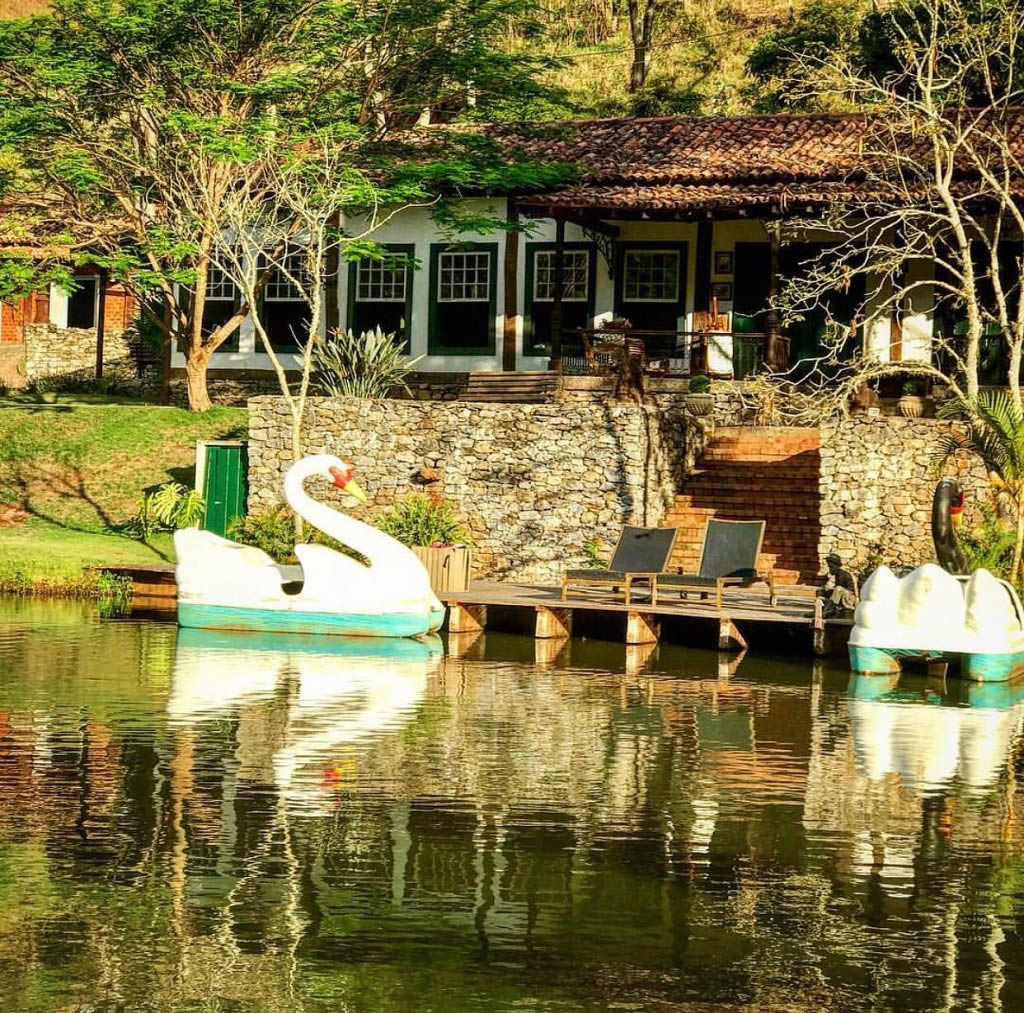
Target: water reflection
(301, 702)
(930, 736)
(218, 822)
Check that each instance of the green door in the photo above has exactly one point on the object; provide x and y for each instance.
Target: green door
(224, 485)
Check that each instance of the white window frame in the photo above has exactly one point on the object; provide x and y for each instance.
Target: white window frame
(626, 298)
(214, 289)
(585, 254)
(381, 266)
(280, 279)
(485, 298)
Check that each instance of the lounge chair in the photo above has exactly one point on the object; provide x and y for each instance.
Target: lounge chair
(640, 555)
(728, 558)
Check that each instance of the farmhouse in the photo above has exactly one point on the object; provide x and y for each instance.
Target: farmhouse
(678, 228)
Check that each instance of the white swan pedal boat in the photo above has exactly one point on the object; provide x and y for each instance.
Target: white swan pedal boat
(223, 585)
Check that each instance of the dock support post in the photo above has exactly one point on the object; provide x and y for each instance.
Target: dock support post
(550, 651)
(642, 628)
(822, 646)
(466, 618)
(637, 656)
(730, 638)
(553, 622)
(937, 669)
(460, 644)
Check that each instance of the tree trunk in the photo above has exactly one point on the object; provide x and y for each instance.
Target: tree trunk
(1018, 546)
(641, 30)
(195, 381)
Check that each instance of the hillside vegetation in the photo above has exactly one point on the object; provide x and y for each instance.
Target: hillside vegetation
(698, 54)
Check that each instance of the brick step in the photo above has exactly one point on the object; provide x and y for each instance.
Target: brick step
(710, 498)
(714, 455)
(774, 523)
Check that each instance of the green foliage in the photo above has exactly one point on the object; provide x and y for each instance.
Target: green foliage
(989, 546)
(372, 365)
(995, 433)
(423, 521)
(81, 382)
(167, 508)
(594, 550)
(823, 30)
(699, 385)
(914, 387)
(272, 531)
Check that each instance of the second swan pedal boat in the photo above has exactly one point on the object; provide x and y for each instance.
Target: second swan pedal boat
(223, 585)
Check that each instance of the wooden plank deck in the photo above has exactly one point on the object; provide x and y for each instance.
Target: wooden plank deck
(794, 605)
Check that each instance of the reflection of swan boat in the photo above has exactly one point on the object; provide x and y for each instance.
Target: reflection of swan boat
(927, 741)
(347, 690)
(227, 586)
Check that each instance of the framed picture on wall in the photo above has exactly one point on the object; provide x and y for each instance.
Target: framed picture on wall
(722, 290)
(723, 262)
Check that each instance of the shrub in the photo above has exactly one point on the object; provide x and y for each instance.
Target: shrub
(699, 385)
(81, 382)
(422, 521)
(371, 365)
(989, 545)
(167, 508)
(914, 387)
(273, 531)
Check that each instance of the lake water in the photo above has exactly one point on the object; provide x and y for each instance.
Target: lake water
(190, 821)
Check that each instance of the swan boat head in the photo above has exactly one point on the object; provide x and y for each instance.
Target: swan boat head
(332, 469)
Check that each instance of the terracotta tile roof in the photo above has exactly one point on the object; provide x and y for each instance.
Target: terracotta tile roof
(695, 163)
(697, 149)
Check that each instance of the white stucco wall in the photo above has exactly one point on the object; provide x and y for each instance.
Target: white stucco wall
(416, 227)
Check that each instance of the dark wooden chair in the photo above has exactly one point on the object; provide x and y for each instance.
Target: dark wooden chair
(640, 555)
(728, 558)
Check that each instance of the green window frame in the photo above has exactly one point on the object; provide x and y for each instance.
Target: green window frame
(406, 250)
(532, 249)
(435, 342)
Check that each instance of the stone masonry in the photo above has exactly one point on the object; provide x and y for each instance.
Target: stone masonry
(532, 482)
(60, 351)
(877, 483)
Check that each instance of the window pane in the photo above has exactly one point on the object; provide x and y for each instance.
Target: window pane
(82, 304)
(651, 276)
(378, 281)
(575, 270)
(280, 286)
(464, 277)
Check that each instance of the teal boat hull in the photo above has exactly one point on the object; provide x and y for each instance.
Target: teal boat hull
(393, 624)
(977, 667)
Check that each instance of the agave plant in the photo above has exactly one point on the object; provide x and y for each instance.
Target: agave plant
(995, 432)
(371, 365)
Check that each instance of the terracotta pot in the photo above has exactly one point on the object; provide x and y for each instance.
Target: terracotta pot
(913, 406)
(700, 404)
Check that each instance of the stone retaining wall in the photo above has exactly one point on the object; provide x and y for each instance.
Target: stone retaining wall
(877, 483)
(532, 482)
(62, 351)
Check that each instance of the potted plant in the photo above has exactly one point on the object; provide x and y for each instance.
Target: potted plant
(428, 526)
(913, 404)
(699, 399)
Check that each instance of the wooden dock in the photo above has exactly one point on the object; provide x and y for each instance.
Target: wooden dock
(795, 606)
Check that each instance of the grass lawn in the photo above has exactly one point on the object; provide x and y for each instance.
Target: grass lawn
(78, 466)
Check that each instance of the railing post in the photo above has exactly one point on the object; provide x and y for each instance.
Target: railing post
(556, 297)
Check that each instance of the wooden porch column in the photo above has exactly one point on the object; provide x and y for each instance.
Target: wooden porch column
(508, 343)
(774, 230)
(101, 315)
(466, 618)
(556, 297)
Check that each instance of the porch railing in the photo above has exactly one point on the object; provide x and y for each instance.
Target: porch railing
(600, 351)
